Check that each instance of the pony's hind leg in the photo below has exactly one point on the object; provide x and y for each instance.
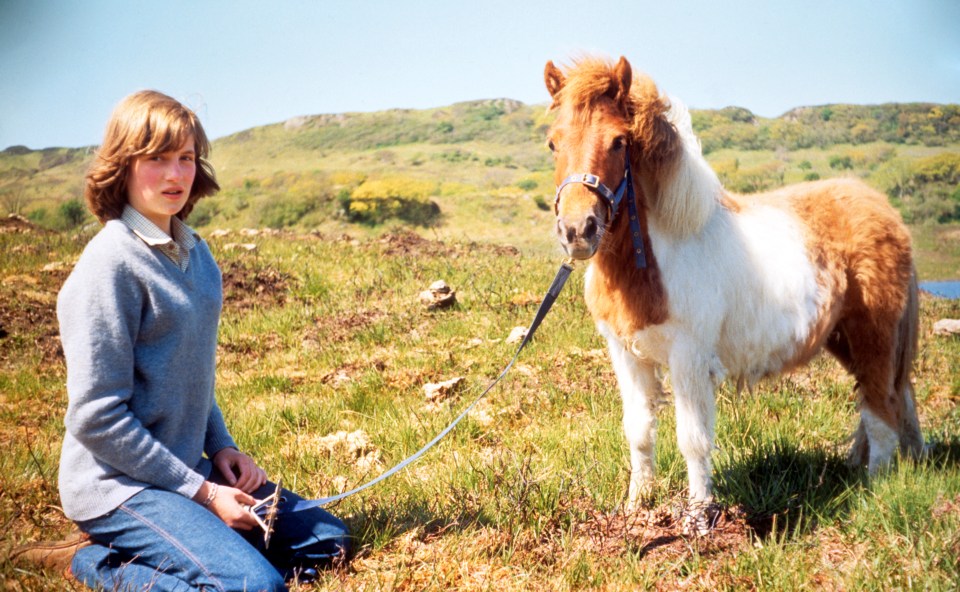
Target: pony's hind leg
(872, 364)
(839, 345)
(879, 351)
(641, 392)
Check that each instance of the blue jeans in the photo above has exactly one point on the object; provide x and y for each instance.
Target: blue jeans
(161, 541)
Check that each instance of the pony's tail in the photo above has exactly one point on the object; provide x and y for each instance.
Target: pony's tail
(911, 440)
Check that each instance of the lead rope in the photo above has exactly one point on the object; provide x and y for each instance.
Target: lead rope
(271, 511)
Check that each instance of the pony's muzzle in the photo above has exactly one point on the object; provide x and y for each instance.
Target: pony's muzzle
(579, 237)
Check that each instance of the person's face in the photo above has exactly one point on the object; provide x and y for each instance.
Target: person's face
(158, 185)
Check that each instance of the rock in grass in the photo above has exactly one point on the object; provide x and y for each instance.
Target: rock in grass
(240, 246)
(438, 295)
(436, 392)
(517, 335)
(947, 327)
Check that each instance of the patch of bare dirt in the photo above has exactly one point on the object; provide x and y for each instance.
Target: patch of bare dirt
(342, 327)
(410, 243)
(404, 243)
(28, 316)
(15, 223)
(245, 287)
(658, 533)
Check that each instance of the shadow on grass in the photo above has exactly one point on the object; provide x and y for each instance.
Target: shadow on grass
(784, 489)
(943, 453)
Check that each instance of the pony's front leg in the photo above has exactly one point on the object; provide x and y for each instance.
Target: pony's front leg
(695, 373)
(641, 392)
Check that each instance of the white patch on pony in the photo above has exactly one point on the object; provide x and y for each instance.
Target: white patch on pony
(882, 438)
(743, 288)
(777, 299)
(690, 192)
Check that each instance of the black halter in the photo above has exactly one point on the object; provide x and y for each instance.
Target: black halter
(613, 199)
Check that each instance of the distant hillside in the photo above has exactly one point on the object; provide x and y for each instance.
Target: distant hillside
(475, 168)
(501, 121)
(828, 125)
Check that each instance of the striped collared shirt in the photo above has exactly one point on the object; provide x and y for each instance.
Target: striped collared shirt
(177, 248)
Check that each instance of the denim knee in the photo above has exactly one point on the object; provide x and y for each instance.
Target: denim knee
(265, 581)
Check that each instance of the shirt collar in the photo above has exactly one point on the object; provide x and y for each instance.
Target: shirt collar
(184, 238)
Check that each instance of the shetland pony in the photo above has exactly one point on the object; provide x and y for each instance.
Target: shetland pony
(735, 287)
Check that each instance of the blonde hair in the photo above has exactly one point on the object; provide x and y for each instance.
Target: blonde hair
(145, 123)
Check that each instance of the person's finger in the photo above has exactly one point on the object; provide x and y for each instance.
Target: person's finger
(226, 469)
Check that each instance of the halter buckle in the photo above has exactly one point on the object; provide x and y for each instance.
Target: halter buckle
(590, 180)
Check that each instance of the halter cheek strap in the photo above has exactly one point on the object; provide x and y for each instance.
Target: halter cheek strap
(612, 200)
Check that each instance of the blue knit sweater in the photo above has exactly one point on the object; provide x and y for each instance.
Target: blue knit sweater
(140, 338)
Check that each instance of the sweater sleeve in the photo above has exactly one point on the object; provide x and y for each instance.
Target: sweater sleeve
(218, 437)
(100, 312)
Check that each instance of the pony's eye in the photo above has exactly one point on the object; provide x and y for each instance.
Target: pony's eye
(551, 146)
(618, 144)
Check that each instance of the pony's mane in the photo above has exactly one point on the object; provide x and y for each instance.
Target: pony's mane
(689, 191)
(686, 190)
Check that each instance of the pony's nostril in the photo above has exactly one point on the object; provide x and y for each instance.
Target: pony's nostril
(571, 234)
(590, 227)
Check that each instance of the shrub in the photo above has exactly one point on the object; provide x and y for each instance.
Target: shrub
(378, 200)
(841, 162)
(541, 203)
(759, 178)
(38, 216)
(203, 212)
(72, 213)
(527, 184)
(287, 212)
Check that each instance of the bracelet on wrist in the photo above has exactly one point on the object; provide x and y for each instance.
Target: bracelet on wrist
(210, 496)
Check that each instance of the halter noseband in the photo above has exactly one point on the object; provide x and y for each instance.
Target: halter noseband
(612, 200)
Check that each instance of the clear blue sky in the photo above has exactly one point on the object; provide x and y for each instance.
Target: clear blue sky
(65, 64)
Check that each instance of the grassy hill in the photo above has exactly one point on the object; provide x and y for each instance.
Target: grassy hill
(479, 171)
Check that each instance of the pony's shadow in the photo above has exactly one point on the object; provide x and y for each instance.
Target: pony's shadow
(942, 453)
(785, 490)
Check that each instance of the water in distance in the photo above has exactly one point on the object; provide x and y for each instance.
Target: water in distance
(948, 289)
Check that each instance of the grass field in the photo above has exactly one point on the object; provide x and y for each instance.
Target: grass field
(323, 338)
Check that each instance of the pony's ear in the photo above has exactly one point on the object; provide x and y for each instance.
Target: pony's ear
(624, 77)
(553, 78)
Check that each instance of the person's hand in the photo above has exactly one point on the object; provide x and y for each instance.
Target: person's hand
(239, 470)
(229, 504)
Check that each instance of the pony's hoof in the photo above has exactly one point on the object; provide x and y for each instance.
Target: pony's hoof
(699, 518)
(642, 499)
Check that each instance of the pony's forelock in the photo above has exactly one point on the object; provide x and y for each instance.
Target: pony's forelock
(587, 80)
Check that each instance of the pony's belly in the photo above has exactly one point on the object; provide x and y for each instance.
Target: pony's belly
(651, 345)
(751, 364)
